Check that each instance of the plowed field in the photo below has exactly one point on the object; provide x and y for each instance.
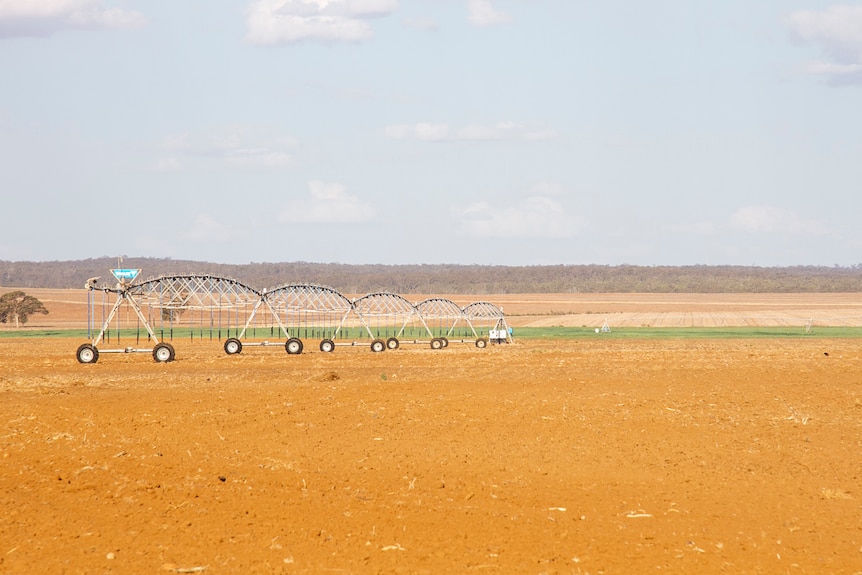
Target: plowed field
(594, 455)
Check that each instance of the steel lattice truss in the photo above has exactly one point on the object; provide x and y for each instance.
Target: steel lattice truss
(199, 292)
(388, 314)
(307, 309)
(482, 310)
(486, 315)
(443, 312)
(217, 306)
(195, 301)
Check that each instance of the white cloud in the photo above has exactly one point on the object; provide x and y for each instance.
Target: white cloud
(838, 33)
(370, 8)
(328, 203)
(504, 131)
(46, 17)
(205, 228)
(837, 71)
(501, 131)
(272, 22)
(176, 142)
(422, 131)
(235, 146)
(482, 13)
(771, 219)
(425, 24)
(534, 217)
(545, 189)
(169, 164)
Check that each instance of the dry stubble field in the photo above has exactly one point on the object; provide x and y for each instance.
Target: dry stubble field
(593, 455)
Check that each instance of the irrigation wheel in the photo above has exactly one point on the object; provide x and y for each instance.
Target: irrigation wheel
(164, 352)
(293, 346)
(87, 353)
(327, 346)
(232, 346)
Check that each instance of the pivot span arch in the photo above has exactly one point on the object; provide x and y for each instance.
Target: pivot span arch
(162, 308)
(211, 304)
(488, 321)
(388, 318)
(299, 311)
(446, 321)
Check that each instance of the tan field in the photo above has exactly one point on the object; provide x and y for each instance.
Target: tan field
(593, 455)
(68, 309)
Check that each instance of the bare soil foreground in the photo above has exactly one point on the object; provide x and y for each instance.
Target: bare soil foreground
(593, 456)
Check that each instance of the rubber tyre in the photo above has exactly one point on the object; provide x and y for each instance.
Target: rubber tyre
(232, 346)
(445, 341)
(163, 353)
(327, 346)
(293, 346)
(87, 354)
(378, 345)
(436, 343)
(481, 343)
(393, 343)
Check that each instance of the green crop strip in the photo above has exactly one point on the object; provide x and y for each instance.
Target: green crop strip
(548, 333)
(556, 333)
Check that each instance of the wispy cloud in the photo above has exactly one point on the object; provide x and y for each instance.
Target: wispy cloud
(537, 216)
(47, 17)
(274, 22)
(206, 228)
(166, 165)
(771, 219)
(430, 132)
(327, 203)
(423, 23)
(235, 146)
(837, 31)
(482, 13)
(424, 131)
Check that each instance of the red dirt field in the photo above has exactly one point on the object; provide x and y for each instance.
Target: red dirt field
(593, 455)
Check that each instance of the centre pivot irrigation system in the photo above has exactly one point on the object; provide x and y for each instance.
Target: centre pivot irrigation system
(144, 315)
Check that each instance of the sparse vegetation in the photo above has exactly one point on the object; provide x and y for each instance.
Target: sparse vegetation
(462, 279)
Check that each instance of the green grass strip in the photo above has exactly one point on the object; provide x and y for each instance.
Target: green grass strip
(687, 332)
(549, 333)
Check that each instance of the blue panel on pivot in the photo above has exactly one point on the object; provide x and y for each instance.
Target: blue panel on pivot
(125, 275)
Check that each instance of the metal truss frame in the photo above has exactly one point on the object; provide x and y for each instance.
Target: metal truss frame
(322, 310)
(296, 305)
(490, 313)
(388, 307)
(443, 309)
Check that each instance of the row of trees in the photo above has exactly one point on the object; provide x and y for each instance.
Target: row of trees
(460, 279)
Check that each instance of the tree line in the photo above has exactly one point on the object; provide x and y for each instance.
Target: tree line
(435, 279)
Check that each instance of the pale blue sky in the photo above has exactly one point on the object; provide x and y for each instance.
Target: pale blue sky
(432, 131)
